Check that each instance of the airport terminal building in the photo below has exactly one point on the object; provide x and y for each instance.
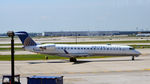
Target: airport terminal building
(91, 33)
(84, 33)
(80, 33)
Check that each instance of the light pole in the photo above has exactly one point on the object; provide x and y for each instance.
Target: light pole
(11, 34)
(76, 37)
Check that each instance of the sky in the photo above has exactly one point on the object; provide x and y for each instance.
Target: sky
(74, 15)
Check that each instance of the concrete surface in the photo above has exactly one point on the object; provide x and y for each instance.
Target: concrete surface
(87, 71)
(83, 66)
(134, 77)
(16, 52)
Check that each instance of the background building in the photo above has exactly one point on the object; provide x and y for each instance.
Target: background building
(90, 33)
(86, 33)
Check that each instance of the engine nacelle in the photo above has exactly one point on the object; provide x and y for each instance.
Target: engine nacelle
(50, 47)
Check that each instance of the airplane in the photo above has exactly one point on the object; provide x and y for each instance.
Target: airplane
(143, 35)
(73, 51)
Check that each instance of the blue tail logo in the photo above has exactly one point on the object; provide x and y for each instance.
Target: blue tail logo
(25, 38)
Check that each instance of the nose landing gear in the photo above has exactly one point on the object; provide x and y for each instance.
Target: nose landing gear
(133, 58)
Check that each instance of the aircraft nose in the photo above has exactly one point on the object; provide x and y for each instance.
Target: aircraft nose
(137, 53)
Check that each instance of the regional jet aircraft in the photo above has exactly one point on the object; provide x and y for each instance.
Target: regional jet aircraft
(75, 50)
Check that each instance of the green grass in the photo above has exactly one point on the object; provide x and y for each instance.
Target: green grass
(42, 57)
(17, 44)
(29, 57)
(7, 49)
(140, 46)
(105, 42)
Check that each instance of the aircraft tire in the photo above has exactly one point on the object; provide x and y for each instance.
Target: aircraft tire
(73, 59)
(133, 58)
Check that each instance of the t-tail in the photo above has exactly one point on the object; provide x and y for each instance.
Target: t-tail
(25, 39)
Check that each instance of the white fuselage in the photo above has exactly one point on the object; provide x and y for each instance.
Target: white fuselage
(67, 50)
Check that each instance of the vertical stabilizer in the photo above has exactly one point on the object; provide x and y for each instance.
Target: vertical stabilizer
(25, 38)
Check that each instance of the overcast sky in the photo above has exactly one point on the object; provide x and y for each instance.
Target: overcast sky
(74, 15)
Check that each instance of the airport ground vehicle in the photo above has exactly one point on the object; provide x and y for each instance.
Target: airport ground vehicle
(45, 80)
(7, 79)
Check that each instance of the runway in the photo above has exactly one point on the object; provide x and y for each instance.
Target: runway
(86, 71)
(82, 66)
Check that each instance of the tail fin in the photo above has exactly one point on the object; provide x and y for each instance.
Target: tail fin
(25, 38)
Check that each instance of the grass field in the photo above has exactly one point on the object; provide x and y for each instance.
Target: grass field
(105, 42)
(42, 57)
(30, 57)
(140, 46)
(7, 49)
(17, 44)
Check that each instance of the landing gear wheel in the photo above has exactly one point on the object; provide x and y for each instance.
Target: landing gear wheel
(133, 58)
(72, 59)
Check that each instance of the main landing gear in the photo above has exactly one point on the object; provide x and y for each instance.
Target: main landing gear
(72, 59)
(133, 58)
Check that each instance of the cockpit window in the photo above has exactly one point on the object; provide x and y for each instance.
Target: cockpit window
(131, 48)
